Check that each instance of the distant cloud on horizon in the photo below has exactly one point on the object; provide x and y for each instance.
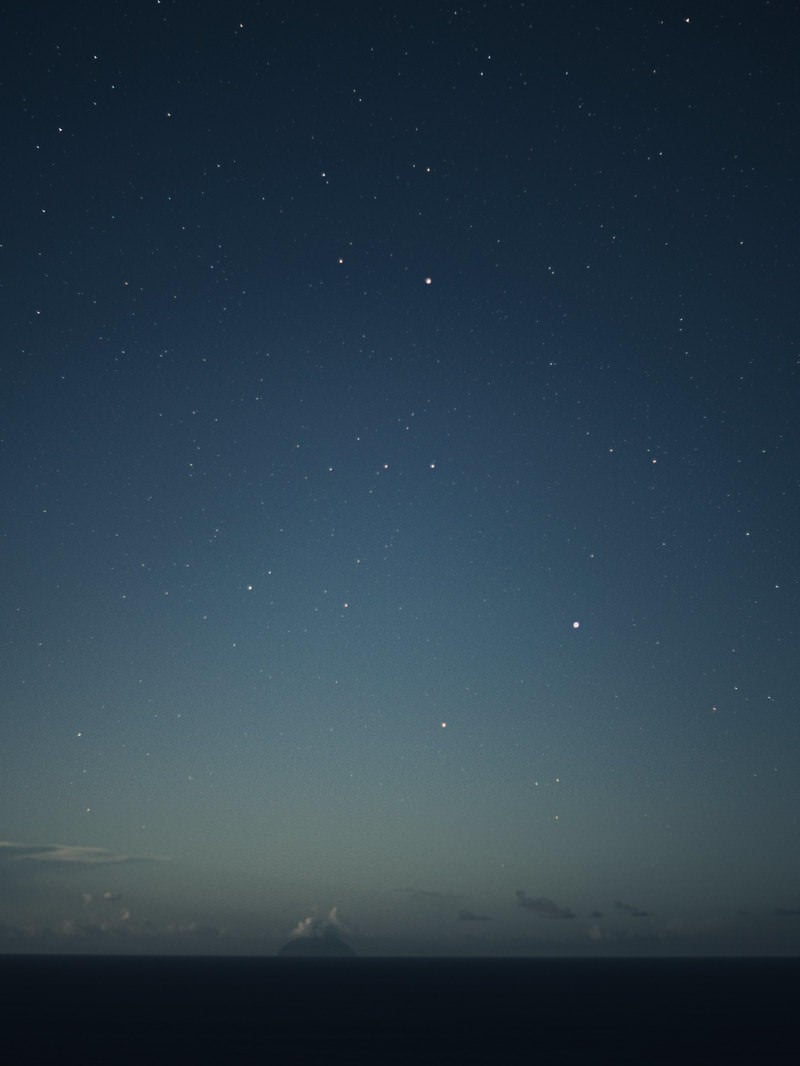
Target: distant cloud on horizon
(545, 908)
(469, 916)
(121, 931)
(318, 927)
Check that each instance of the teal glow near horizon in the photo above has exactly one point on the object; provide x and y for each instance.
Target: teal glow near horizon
(400, 486)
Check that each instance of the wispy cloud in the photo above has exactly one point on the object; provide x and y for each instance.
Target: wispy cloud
(630, 910)
(68, 854)
(427, 895)
(470, 916)
(545, 908)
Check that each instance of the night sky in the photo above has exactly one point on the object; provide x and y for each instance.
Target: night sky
(400, 476)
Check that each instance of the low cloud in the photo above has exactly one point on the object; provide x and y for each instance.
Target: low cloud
(545, 908)
(469, 916)
(630, 910)
(787, 912)
(92, 899)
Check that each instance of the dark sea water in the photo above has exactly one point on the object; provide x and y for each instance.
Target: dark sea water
(59, 1009)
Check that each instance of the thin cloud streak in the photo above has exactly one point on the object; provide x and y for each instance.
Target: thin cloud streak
(68, 854)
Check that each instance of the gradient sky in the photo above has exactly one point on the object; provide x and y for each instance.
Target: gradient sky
(400, 476)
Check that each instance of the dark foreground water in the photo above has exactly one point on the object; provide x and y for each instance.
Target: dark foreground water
(175, 1010)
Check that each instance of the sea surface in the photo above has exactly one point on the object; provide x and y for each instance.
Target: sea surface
(90, 1009)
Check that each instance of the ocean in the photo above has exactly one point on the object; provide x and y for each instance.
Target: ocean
(148, 1010)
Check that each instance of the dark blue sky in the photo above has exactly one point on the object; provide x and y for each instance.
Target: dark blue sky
(400, 506)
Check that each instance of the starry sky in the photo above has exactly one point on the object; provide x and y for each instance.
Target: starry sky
(400, 477)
